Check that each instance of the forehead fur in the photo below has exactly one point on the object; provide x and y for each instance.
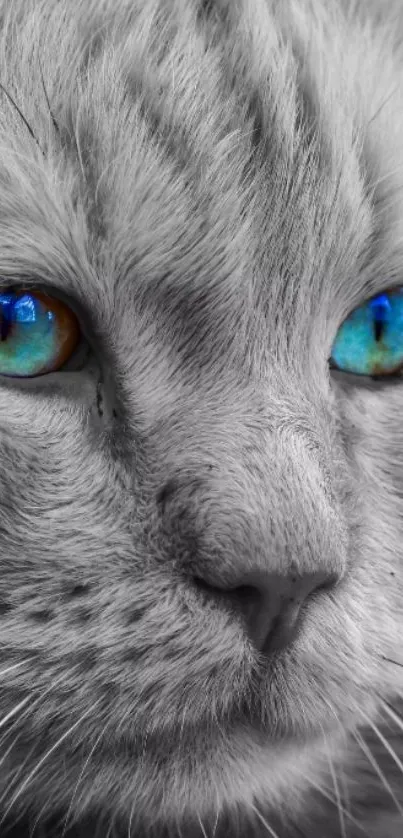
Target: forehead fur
(197, 157)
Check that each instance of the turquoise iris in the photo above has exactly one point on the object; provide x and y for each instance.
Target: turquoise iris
(370, 341)
(28, 334)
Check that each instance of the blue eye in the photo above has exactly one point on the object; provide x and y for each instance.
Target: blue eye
(370, 341)
(37, 333)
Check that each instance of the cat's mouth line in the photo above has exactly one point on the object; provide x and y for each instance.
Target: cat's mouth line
(158, 748)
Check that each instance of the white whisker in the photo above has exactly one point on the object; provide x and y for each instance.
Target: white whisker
(36, 701)
(217, 816)
(81, 776)
(13, 666)
(111, 830)
(384, 741)
(264, 822)
(366, 750)
(15, 710)
(327, 794)
(14, 778)
(202, 827)
(10, 748)
(37, 820)
(129, 830)
(340, 808)
(51, 750)
(393, 715)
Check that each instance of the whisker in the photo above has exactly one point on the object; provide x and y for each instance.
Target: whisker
(13, 666)
(29, 709)
(14, 778)
(327, 794)
(345, 790)
(129, 829)
(366, 750)
(10, 748)
(15, 710)
(37, 820)
(336, 787)
(51, 750)
(264, 822)
(332, 710)
(217, 817)
(201, 826)
(397, 718)
(111, 831)
(82, 774)
(36, 702)
(384, 741)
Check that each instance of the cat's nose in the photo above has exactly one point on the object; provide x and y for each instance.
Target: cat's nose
(269, 604)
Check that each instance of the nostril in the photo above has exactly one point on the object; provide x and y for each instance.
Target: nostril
(242, 600)
(269, 604)
(240, 591)
(241, 595)
(327, 585)
(202, 585)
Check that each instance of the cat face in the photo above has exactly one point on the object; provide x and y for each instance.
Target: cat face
(207, 189)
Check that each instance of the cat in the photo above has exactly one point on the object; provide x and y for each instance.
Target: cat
(201, 519)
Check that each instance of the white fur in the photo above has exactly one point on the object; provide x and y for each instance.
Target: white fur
(213, 189)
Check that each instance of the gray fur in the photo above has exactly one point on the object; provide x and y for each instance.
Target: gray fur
(213, 187)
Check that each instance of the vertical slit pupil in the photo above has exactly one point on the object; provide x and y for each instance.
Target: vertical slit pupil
(380, 308)
(378, 328)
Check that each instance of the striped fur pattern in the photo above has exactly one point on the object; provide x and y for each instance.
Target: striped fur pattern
(213, 186)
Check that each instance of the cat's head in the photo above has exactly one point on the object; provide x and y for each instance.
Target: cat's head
(207, 189)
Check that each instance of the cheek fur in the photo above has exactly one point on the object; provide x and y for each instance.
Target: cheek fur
(216, 190)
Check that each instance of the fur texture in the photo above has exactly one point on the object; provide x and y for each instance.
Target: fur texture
(213, 186)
